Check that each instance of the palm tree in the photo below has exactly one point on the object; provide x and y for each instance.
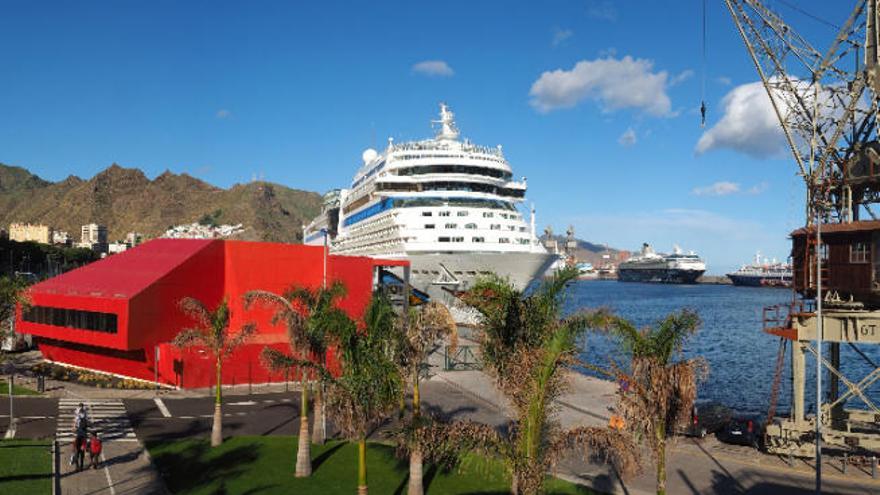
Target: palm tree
(369, 387)
(658, 392)
(308, 315)
(321, 314)
(413, 338)
(212, 332)
(13, 292)
(528, 349)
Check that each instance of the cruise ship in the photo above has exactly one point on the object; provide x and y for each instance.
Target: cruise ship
(675, 268)
(762, 273)
(447, 205)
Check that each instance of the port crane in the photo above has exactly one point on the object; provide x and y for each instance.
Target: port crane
(826, 103)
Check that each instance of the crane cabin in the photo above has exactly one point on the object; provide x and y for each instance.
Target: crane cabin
(850, 262)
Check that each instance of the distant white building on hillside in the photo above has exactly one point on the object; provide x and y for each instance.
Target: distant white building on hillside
(24, 232)
(199, 231)
(94, 237)
(61, 237)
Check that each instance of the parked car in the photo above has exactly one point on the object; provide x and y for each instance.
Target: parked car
(744, 430)
(706, 418)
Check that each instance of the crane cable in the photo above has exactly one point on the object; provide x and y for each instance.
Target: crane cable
(703, 89)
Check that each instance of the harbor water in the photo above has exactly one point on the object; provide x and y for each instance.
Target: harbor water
(741, 357)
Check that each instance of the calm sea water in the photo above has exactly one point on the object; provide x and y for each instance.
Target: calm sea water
(741, 356)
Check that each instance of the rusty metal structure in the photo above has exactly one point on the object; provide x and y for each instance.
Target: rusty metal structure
(826, 103)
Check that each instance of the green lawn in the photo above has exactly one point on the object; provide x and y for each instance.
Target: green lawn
(265, 465)
(16, 389)
(25, 467)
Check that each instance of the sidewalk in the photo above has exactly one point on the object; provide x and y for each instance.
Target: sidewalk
(693, 466)
(125, 469)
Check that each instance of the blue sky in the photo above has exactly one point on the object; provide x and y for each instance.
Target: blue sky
(594, 101)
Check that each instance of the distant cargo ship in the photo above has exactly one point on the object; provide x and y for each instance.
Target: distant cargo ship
(675, 268)
(762, 273)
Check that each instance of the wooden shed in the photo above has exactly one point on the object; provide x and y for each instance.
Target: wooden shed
(850, 261)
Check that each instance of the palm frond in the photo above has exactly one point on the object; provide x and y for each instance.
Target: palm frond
(613, 446)
(551, 290)
(277, 361)
(195, 310)
(190, 337)
(284, 312)
(672, 332)
(603, 320)
(305, 296)
(246, 332)
(448, 443)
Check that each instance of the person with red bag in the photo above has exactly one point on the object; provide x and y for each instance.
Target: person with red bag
(94, 450)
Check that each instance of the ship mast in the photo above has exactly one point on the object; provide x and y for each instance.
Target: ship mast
(448, 130)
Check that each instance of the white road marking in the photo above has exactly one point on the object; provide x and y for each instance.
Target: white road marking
(107, 416)
(107, 472)
(242, 403)
(161, 405)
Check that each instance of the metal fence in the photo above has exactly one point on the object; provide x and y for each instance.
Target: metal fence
(465, 357)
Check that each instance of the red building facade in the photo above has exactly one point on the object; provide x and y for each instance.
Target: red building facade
(118, 315)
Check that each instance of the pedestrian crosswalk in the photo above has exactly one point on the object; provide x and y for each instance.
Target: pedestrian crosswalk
(106, 416)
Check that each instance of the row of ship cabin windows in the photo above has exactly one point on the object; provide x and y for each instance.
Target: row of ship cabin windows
(464, 213)
(457, 272)
(501, 240)
(473, 226)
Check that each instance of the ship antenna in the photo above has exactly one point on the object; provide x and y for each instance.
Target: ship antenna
(533, 222)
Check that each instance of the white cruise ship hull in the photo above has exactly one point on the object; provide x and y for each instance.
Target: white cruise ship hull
(441, 273)
(659, 275)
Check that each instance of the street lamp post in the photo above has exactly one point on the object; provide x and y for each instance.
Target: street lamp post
(324, 285)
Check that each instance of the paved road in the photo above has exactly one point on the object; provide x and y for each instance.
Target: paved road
(705, 466)
(270, 414)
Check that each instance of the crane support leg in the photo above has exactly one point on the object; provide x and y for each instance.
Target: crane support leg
(798, 375)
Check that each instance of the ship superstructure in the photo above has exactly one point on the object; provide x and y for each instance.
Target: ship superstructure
(649, 266)
(446, 204)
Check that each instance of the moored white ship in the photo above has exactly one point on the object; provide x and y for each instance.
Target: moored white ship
(762, 272)
(447, 205)
(649, 266)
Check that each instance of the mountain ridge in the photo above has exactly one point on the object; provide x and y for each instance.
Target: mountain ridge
(126, 200)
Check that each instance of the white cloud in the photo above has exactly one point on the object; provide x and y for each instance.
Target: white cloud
(560, 36)
(603, 10)
(223, 114)
(681, 77)
(749, 125)
(433, 68)
(758, 188)
(628, 138)
(614, 83)
(722, 188)
(724, 80)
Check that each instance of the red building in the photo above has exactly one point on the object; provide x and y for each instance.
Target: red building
(119, 314)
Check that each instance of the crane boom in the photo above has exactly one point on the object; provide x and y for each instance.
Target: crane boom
(828, 99)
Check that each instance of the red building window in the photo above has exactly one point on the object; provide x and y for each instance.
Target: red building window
(71, 318)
